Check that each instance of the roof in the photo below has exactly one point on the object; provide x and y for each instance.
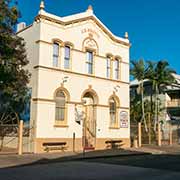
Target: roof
(175, 86)
(135, 82)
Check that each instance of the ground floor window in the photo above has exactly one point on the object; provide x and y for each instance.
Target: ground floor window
(113, 112)
(60, 109)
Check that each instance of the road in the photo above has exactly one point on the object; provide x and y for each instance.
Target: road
(156, 167)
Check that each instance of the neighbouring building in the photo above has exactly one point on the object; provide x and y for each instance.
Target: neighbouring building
(168, 104)
(169, 98)
(79, 83)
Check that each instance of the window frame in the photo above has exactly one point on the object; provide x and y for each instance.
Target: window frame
(109, 67)
(89, 62)
(56, 64)
(114, 125)
(117, 69)
(59, 122)
(67, 59)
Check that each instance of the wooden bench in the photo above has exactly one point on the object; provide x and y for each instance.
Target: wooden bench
(113, 144)
(54, 146)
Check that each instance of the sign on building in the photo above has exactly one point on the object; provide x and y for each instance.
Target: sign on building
(124, 119)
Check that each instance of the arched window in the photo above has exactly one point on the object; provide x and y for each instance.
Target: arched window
(55, 54)
(60, 112)
(67, 53)
(113, 112)
(116, 68)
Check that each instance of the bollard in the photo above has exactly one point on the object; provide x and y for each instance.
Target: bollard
(139, 134)
(135, 143)
(74, 139)
(149, 127)
(20, 138)
(170, 135)
(159, 134)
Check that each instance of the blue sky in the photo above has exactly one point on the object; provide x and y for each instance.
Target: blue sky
(153, 25)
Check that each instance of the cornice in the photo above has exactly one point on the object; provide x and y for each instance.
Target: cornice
(81, 74)
(75, 103)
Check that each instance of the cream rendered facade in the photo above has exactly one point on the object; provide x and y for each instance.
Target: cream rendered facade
(80, 32)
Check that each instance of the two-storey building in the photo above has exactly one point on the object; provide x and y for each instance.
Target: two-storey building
(80, 81)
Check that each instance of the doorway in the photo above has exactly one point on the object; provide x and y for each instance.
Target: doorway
(89, 123)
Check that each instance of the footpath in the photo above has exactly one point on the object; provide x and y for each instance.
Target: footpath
(154, 149)
(12, 159)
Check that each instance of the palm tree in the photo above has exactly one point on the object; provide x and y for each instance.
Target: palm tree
(139, 71)
(161, 76)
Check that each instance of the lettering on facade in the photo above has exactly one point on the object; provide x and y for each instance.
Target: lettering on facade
(124, 119)
(91, 31)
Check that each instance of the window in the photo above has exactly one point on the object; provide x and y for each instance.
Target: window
(89, 62)
(112, 111)
(55, 54)
(60, 111)
(67, 57)
(108, 67)
(116, 69)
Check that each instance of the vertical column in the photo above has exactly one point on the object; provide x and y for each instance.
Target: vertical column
(149, 127)
(170, 135)
(74, 140)
(20, 138)
(139, 134)
(159, 134)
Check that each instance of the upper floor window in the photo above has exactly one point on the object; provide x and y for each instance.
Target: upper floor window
(67, 57)
(89, 62)
(108, 67)
(55, 54)
(116, 69)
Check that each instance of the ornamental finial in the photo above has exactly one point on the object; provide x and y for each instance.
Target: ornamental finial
(90, 8)
(42, 6)
(126, 35)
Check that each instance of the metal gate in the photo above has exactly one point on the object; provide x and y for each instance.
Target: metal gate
(9, 126)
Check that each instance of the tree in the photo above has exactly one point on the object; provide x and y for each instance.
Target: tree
(139, 71)
(161, 76)
(13, 76)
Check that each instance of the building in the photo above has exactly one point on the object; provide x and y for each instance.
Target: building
(80, 81)
(168, 106)
(169, 98)
(173, 99)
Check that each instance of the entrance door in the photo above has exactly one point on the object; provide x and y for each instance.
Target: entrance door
(89, 125)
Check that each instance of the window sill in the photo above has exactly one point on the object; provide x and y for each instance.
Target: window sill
(61, 126)
(114, 127)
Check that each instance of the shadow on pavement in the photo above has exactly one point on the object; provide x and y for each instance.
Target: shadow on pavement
(116, 157)
(160, 161)
(47, 158)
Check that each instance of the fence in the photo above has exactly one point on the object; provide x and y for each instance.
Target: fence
(167, 133)
(10, 138)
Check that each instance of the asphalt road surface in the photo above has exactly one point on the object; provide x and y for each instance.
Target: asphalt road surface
(156, 167)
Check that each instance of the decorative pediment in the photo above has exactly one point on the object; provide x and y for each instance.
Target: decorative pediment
(90, 43)
(86, 17)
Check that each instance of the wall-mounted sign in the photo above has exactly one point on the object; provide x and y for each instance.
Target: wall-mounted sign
(124, 119)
